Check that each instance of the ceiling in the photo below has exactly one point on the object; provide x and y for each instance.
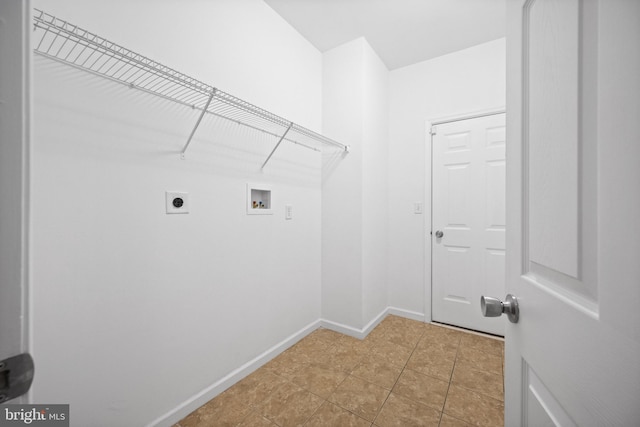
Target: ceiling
(402, 32)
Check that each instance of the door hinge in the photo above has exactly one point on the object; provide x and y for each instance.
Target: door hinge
(16, 376)
(433, 130)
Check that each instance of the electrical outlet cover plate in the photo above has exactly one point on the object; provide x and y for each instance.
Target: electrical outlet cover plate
(177, 202)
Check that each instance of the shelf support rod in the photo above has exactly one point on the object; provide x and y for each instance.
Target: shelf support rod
(277, 145)
(204, 110)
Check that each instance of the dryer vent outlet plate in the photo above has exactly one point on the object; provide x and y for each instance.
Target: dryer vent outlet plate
(177, 202)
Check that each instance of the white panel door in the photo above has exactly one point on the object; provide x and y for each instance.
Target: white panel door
(469, 210)
(573, 211)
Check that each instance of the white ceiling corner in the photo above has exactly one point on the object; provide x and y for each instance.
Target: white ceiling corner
(402, 32)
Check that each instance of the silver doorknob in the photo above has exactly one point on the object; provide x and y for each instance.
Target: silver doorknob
(493, 307)
(439, 234)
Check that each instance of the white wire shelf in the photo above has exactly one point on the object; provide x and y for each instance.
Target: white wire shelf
(67, 43)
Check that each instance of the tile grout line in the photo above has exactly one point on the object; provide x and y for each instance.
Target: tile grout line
(345, 378)
(426, 375)
(349, 373)
(397, 379)
(324, 401)
(286, 380)
(482, 371)
(256, 409)
(333, 344)
(444, 404)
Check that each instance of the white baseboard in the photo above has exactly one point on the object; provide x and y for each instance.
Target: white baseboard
(362, 333)
(343, 329)
(351, 331)
(199, 399)
(413, 315)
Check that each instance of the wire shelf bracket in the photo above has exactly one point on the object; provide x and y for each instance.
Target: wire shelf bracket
(277, 145)
(69, 44)
(204, 110)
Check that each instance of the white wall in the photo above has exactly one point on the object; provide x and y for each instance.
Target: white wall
(467, 81)
(342, 115)
(135, 312)
(374, 186)
(354, 211)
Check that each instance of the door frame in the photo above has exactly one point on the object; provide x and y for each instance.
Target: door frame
(16, 69)
(428, 195)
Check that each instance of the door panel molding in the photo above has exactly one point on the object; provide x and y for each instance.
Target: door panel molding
(556, 183)
(540, 404)
(552, 56)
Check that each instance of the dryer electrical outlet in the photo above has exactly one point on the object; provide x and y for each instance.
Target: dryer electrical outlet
(177, 202)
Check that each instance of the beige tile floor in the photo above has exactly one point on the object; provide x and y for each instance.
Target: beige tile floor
(405, 373)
